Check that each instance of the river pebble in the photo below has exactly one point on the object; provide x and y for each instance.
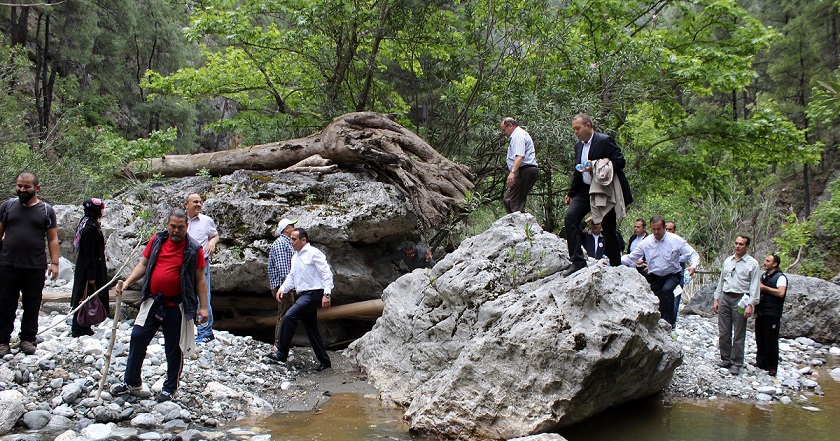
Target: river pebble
(229, 378)
(700, 377)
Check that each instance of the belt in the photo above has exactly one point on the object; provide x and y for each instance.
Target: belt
(734, 294)
(527, 165)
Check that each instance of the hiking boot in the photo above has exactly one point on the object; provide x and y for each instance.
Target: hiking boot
(122, 389)
(164, 396)
(27, 347)
(4, 349)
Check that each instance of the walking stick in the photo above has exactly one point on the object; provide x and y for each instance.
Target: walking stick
(107, 366)
(91, 296)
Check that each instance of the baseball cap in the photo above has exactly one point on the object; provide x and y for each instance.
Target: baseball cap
(283, 224)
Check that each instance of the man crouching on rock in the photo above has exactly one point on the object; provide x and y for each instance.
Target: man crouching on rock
(172, 268)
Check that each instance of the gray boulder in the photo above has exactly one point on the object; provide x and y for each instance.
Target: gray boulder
(36, 419)
(350, 216)
(11, 409)
(812, 308)
(494, 343)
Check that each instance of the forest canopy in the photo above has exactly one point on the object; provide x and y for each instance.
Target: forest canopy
(725, 110)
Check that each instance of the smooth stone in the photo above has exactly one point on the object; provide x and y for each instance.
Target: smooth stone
(56, 383)
(97, 431)
(36, 419)
(835, 374)
(785, 400)
(70, 392)
(11, 409)
(812, 409)
(150, 436)
(103, 414)
(764, 397)
(58, 423)
(64, 410)
(834, 350)
(770, 390)
(69, 435)
(809, 383)
(145, 420)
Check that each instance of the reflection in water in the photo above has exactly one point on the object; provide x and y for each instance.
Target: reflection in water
(651, 420)
(345, 417)
(353, 417)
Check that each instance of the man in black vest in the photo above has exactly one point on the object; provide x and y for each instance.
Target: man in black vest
(174, 295)
(769, 315)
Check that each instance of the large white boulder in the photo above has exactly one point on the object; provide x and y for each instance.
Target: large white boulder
(494, 342)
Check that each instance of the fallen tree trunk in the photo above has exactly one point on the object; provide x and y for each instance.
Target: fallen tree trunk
(435, 185)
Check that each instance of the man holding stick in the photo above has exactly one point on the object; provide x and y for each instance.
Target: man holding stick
(174, 291)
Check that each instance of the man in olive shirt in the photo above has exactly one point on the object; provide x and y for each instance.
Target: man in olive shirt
(739, 277)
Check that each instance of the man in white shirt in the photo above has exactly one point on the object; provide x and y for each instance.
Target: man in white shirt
(739, 278)
(664, 252)
(522, 163)
(203, 229)
(312, 279)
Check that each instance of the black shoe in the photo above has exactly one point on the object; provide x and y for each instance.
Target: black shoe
(275, 355)
(575, 267)
(323, 366)
(164, 396)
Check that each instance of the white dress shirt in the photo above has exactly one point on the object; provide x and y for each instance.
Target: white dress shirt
(202, 228)
(522, 145)
(584, 156)
(310, 271)
(663, 256)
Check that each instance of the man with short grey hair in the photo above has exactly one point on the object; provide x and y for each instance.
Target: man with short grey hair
(522, 164)
(202, 228)
(740, 278)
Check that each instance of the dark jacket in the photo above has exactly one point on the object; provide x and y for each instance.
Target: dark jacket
(596, 252)
(189, 296)
(634, 238)
(602, 146)
(90, 265)
(770, 305)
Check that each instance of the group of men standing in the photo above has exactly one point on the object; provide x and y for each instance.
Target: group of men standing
(600, 187)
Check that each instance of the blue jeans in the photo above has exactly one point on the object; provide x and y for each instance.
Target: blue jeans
(205, 331)
(141, 336)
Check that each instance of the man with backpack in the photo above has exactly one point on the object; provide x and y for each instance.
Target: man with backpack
(25, 222)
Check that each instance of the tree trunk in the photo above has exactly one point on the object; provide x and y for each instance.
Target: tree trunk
(435, 185)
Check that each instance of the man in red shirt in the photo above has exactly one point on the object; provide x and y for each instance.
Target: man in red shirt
(170, 302)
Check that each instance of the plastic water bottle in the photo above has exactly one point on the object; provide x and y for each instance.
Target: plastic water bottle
(742, 304)
(582, 167)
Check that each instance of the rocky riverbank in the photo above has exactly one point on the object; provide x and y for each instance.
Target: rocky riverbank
(52, 394)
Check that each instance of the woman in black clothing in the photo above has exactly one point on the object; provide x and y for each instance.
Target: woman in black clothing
(91, 272)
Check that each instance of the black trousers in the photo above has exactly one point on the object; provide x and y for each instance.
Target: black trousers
(578, 208)
(305, 309)
(767, 342)
(663, 288)
(28, 286)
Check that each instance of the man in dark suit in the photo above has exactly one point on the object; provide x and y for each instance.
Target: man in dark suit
(593, 242)
(591, 147)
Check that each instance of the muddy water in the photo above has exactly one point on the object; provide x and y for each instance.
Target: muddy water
(354, 417)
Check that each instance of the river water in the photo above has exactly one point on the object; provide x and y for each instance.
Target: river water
(354, 417)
